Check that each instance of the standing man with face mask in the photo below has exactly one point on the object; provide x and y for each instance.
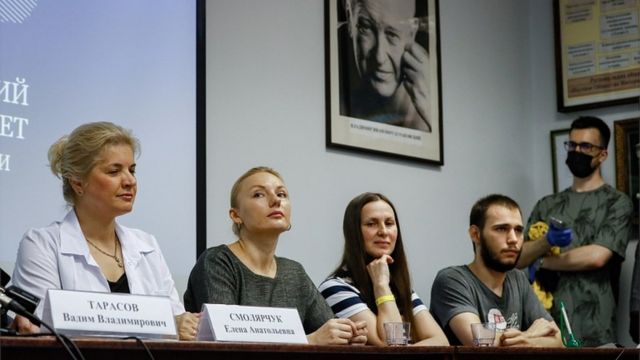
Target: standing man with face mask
(599, 217)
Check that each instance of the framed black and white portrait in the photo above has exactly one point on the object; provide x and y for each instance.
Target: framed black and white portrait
(383, 81)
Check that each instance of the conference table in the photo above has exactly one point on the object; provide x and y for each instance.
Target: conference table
(47, 347)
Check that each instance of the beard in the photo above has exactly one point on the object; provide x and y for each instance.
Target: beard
(492, 260)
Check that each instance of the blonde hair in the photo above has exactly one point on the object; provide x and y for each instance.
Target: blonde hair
(235, 189)
(73, 156)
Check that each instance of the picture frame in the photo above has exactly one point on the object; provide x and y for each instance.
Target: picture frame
(626, 139)
(562, 177)
(382, 110)
(596, 53)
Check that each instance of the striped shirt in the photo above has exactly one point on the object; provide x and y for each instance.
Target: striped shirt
(345, 299)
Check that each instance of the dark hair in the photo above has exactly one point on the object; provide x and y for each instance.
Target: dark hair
(478, 215)
(355, 259)
(592, 122)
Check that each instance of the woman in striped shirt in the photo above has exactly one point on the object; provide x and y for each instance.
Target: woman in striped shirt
(372, 281)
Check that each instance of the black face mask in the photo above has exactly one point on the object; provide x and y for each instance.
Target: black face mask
(580, 164)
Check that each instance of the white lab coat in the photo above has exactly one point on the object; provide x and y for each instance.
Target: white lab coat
(58, 257)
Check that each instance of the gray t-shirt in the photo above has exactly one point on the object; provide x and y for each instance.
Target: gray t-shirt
(457, 290)
(219, 277)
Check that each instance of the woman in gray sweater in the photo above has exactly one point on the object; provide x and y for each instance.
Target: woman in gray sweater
(247, 272)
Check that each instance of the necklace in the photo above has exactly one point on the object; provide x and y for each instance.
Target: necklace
(115, 252)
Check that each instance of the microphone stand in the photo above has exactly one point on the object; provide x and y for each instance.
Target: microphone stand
(9, 304)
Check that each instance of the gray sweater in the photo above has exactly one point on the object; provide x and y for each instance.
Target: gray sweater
(219, 277)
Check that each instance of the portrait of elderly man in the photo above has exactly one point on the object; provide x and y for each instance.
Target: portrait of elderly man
(384, 64)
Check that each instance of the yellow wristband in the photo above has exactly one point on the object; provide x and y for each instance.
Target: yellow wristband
(384, 298)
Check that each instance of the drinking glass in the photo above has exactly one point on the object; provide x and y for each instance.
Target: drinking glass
(484, 334)
(397, 333)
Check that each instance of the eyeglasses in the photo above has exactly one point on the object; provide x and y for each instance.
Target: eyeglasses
(584, 146)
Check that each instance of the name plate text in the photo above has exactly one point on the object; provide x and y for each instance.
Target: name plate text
(115, 314)
(251, 324)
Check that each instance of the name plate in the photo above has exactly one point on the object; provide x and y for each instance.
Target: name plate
(112, 314)
(250, 324)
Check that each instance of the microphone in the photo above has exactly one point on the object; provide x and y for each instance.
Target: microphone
(13, 305)
(4, 319)
(10, 304)
(4, 278)
(25, 298)
(24, 303)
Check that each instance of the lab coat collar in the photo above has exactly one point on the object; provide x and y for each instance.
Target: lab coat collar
(72, 239)
(73, 242)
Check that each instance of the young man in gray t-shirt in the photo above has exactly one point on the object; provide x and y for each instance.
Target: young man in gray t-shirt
(488, 289)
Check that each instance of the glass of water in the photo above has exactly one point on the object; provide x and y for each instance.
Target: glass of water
(484, 334)
(397, 333)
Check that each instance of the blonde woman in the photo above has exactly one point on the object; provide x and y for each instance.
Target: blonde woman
(88, 249)
(247, 272)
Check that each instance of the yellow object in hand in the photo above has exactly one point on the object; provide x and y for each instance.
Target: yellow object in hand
(538, 231)
(546, 299)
